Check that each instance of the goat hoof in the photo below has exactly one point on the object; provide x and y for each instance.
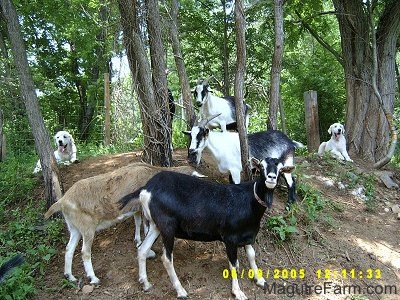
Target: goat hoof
(94, 281)
(147, 287)
(151, 254)
(182, 294)
(239, 295)
(70, 277)
(261, 282)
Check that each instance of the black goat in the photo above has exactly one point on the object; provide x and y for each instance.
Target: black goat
(188, 208)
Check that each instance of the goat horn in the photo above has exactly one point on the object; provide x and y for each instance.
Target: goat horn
(204, 122)
(205, 81)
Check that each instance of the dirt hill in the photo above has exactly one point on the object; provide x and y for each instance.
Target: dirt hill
(347, 244)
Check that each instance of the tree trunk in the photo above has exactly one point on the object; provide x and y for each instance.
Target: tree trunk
(276, 67)
(180, 65)
(366, 124)
(225, 54)
(2, 139)
(239, 84)
(153, 104)
(157, 57)
(53, 189)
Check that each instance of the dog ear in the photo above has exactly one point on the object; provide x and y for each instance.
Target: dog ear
(330, 129)
(71, 138)
(343, 129)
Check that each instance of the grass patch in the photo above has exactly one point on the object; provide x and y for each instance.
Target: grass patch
(21, 228)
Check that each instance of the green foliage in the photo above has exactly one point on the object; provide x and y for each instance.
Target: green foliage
(369, 192)
(282, 226)
(312, 202)
(22, 230)
(11, 185)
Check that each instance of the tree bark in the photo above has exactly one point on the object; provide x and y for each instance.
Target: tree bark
(276, 67)
(239, 84)
(53, 188)
(225, 54)
(180, 65)
(366, 124)
(153, 103)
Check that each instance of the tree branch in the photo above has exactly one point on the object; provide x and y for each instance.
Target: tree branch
(388, 114)
(320, 40)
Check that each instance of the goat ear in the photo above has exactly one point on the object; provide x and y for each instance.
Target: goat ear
(255, 162)
(287, 169)
(187, 132)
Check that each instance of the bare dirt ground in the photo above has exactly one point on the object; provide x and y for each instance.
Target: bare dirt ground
(348, 252)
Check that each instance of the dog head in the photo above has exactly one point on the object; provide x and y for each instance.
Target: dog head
(62, 140)
(336, 130)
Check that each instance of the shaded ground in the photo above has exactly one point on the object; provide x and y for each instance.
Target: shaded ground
(360, 248)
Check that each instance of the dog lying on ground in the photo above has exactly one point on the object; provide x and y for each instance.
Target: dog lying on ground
(91, 204)
(66, 150)
(336, 146)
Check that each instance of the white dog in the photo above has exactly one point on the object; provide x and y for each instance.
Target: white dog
(337, 144)
(66, 150)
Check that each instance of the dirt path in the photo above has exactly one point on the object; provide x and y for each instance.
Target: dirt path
(346, 246)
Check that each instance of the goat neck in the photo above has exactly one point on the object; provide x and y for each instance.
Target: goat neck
(226, 157)
(262, 194)
(206, 107)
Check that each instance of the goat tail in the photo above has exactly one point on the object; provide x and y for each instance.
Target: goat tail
(12, 263)
(56, 207)
(298, 144)
(128, 198)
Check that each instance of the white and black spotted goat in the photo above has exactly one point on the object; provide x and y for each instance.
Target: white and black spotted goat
(225, 149)
(180, 206)
(210, 105)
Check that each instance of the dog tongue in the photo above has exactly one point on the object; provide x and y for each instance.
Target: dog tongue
(61, 149)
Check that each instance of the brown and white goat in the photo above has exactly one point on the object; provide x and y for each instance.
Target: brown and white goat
(91, 204)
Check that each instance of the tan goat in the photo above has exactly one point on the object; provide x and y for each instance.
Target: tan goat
(91, 204)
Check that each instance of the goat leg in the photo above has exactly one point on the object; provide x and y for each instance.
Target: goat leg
(251, 256)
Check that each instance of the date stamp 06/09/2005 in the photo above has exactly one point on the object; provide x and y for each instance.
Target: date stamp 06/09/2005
(324, 277)
(301, 274)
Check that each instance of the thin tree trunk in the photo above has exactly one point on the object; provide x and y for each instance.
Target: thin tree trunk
(53, 188)
(154, 110)
(239, 84)
(180, 65)
(157, 58)
(225, 54)
(276, 67)
(2, 139)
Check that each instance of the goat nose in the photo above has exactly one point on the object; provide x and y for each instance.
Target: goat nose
(192, 151)
(271, 176)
